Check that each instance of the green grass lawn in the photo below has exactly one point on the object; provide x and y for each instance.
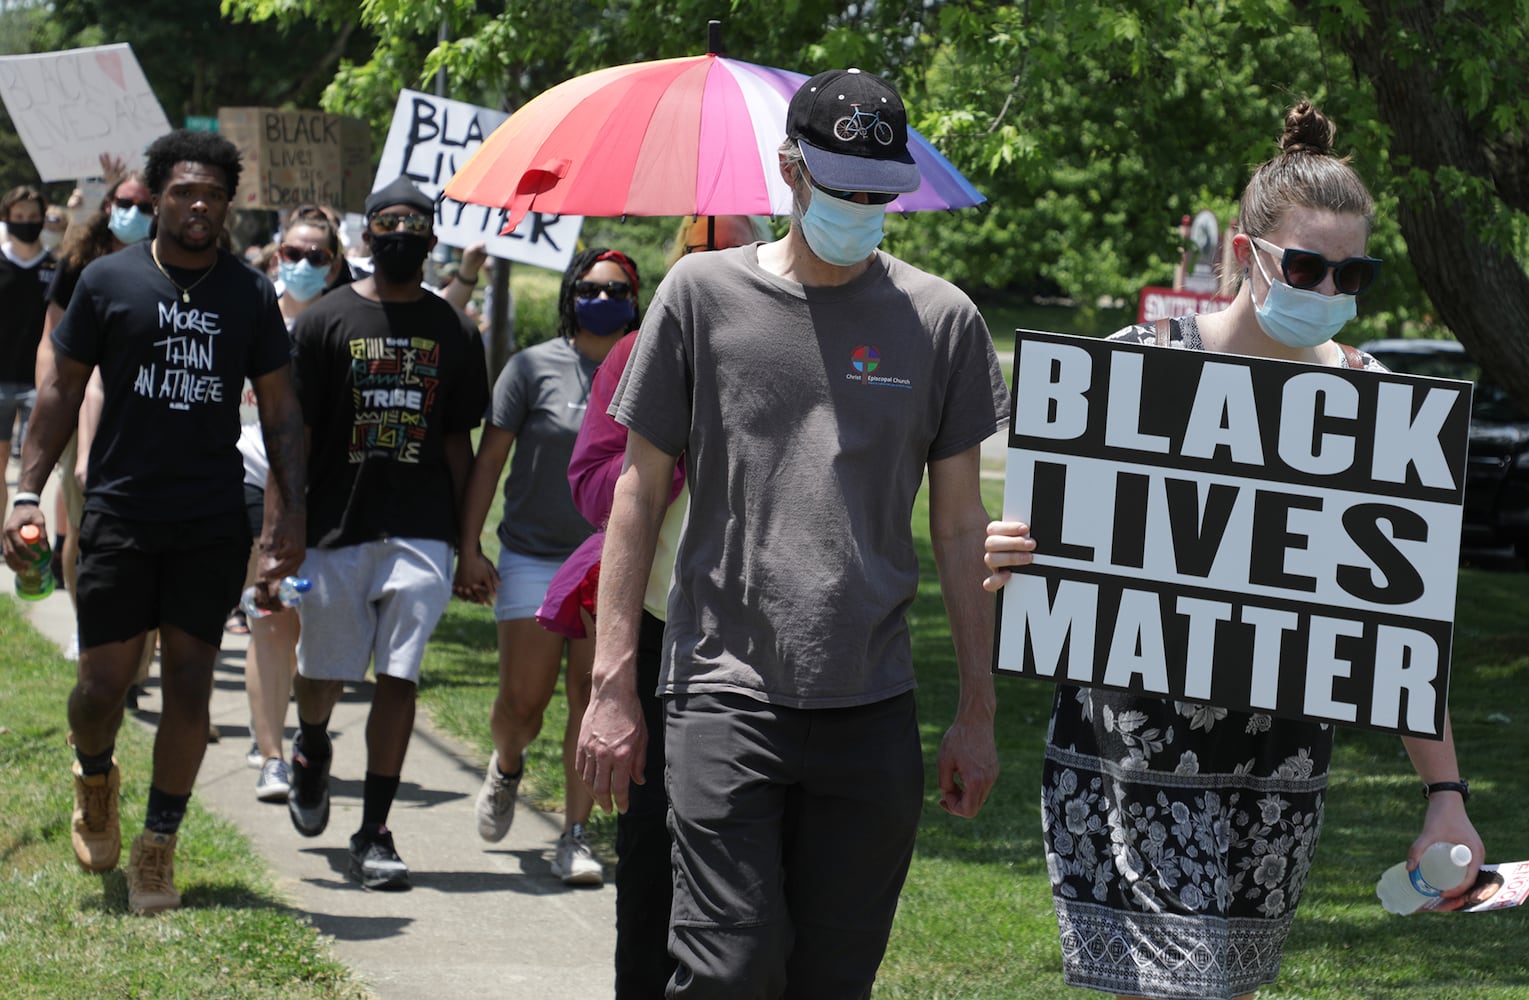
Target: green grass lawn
(975, 919)
(64, 933)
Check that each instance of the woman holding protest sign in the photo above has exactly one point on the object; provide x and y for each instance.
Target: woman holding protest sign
(1179, 835)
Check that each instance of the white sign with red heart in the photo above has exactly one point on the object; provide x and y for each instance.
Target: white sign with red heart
(70, 107)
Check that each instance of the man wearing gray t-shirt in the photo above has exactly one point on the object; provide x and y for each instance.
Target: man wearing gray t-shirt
(809, 383)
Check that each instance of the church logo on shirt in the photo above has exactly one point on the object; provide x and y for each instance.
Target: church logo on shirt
(864, 361)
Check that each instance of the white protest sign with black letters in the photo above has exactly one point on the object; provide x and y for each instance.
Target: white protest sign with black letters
(429, 139)
(69, 107)
(1254, 534)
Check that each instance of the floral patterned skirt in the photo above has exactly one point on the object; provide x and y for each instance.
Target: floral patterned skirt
(1178, 838)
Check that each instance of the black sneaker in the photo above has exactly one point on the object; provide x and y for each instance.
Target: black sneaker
(308, 798)
(374, 863)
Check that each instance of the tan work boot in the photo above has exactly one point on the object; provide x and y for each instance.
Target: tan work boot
(151, 874)
(97, 830)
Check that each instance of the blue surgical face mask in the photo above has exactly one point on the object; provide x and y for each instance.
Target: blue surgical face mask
(303, 281)
(1300, 317)
(604, 316)
(842, 232)
(129, 225)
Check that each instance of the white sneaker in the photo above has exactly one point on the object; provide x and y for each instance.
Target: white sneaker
(275, 781)
(495, 807)
(254, 758)
(574, 862)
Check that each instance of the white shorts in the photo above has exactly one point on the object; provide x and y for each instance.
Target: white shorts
(377, 603)
(523, 583)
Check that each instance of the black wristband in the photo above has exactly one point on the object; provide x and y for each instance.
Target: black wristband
(1463, 787)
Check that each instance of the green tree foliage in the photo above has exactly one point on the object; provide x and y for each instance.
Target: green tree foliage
(197, 61)
(21, 25)
(1091, 127)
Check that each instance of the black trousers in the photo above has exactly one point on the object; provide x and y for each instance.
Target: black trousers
(644, 873)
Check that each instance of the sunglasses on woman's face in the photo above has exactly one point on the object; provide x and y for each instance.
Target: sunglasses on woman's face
(592, 289)
(1307, 268)
(146, 207)
(318, 256)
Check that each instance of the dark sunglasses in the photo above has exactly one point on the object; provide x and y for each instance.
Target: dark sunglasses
(1307, 268)
(412, 223)
(871, 197)
(146, 207)
(318, 256)
(592, 289)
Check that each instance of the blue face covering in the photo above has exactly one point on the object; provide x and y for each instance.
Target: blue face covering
(842, 232)
(602, 316)
(1300, 317)
(129, 225)
(302, 280)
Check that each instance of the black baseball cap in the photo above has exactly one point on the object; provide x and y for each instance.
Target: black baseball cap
(853, 132)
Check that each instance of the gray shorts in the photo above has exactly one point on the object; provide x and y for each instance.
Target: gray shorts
(377, 603)
(15, 398)
(523, 582)
(793, 830)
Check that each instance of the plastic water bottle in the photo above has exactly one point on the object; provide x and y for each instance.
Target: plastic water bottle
(1441, 869)
(289, 592)
(36, 583)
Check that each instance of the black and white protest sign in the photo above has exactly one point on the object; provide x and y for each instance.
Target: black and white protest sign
(1254, 534)
(429, 139)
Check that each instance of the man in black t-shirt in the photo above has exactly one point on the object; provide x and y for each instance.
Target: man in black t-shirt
(175, 326)
(392, 381)
(25, 271)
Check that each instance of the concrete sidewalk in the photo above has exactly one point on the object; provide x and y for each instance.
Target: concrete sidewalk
(482, 920)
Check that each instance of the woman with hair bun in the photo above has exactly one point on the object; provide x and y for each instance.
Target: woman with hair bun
(1179, 836)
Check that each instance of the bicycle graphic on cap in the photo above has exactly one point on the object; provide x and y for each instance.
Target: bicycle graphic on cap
(859, 125)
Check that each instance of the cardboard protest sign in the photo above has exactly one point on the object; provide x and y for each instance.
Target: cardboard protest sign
(429, 139)
(1253, 534)
(69, 107)
(297, 157)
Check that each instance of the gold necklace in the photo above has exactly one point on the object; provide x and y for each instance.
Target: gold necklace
(186, 291)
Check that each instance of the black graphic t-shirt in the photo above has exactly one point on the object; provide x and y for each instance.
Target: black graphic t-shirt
(21, 310)
(172, 371)
(382, 385)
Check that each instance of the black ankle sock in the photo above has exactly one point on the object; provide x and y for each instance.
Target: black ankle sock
(165, 811)
(510, 774)
(98, 763)
(315, 736)
(377, 799)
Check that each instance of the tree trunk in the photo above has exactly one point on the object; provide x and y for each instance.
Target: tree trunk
(1479, 290)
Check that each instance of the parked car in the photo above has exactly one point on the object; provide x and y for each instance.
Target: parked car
(1497, 467)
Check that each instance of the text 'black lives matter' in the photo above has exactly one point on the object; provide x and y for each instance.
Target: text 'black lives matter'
(1254, 534)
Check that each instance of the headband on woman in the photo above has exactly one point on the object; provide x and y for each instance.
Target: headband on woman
(622, 261)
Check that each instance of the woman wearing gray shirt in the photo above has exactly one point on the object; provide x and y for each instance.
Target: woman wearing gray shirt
(538, 405)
